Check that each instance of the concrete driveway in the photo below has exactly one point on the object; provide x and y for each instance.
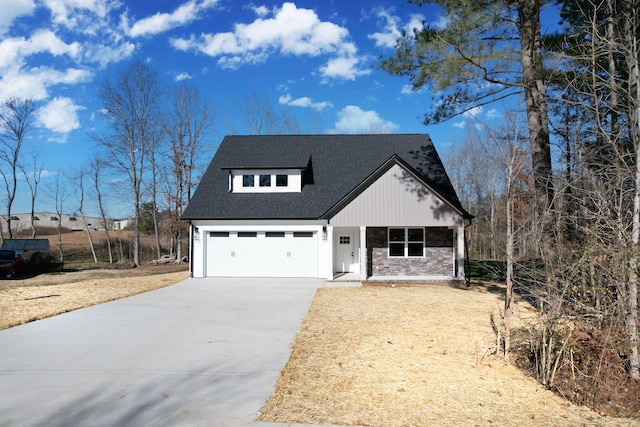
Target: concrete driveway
(203, 352)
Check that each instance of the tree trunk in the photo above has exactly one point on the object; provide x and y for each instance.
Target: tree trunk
(60, 241)
(538, 123)
(93, 249)
(154, 196)
(630, 28)
(508, 298)
(103, 215)
(136, 235)
(84, 220)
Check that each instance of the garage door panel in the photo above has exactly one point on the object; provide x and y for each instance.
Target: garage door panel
(265, 255)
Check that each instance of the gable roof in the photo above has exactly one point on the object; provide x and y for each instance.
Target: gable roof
(338, 165)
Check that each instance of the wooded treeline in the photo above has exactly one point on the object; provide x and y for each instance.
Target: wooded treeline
(556, 188)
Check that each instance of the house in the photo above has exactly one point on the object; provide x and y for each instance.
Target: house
(375, 206)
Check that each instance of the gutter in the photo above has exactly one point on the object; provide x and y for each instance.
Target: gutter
(467, 261)
(190, 249)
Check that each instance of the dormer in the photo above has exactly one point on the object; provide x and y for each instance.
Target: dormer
(265, 180)
(271, 175)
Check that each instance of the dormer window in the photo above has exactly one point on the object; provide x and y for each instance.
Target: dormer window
(247, 180)
(265, 180)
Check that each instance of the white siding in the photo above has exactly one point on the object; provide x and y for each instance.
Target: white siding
(397, 198)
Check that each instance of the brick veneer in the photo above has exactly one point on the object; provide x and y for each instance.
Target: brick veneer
(438, 259)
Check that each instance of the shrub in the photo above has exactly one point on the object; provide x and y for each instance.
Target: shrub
(43, 263)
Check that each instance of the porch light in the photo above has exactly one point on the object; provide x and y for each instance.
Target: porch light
(324, 232)
(196, 233)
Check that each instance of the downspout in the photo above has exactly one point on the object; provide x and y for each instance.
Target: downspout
(467, 261)
(190, 249)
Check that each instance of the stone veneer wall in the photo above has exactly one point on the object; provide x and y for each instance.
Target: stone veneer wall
(438, 259)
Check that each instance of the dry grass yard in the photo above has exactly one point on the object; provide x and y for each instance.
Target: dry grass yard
(32, 297)
(412, 356)
(28, 299)
(371, 356)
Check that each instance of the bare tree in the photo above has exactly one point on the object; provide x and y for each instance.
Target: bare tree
(188, 123)
(477, 178)
(607, 49)
(58, 191)
(509, 151)
(15, 121)
(33, 182)
(260, 117)
(80, 180)
(153, 154)
(96, 168)
(130, 106)
(631, 48)
(256, 113)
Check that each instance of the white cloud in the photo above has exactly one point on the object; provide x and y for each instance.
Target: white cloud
(11, 9)
(259, 10)
(472, 112)
(441, 23)
(83, 15)
(409, 90)
(59, 115)
(161, 22)
(34, 83)
(182, 76)
(493, 114)
(304, 102)
(344, 68)
(416, 22)
(107, 54)
(14, 50)
(390, 31)
(476, 115)
(352, 119)
(287, 30)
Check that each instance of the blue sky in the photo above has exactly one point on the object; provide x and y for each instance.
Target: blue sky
(309, 57)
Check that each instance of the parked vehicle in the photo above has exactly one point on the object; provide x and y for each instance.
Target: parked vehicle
(11, 263)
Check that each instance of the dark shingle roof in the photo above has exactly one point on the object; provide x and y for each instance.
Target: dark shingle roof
(339, 164)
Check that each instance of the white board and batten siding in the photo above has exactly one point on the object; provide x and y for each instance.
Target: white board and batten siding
(265, 249)
(397, 199)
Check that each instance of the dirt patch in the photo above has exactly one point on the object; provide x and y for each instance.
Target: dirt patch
(412, 356)
(27, 299)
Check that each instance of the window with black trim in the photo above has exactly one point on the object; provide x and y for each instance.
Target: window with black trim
(219, 234)
(265, 180)
(303, 234)
(247, 180)
(406, 242)
(247, 234)
(282, 180)
(274, 234)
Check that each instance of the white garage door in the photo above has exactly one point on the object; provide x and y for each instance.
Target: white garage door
(262, 254)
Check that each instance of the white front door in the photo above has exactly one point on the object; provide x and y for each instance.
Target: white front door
(345, 253)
